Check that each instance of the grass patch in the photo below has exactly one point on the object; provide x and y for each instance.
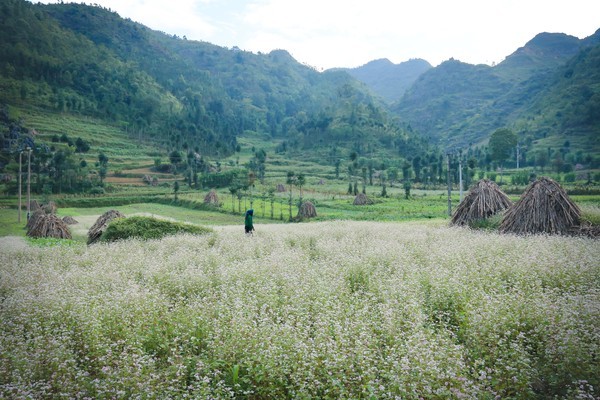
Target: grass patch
(9, 225)
(148, 228)
(590, 213)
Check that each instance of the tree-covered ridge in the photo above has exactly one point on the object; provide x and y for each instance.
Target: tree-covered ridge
(46, 65)
(185, 94)
(543, 89)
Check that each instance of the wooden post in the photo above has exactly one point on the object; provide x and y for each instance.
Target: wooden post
(28, 182)
(460, 181)
(449, 185)
(20, 178)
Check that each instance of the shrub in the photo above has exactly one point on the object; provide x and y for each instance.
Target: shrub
(148, 228)
(97, 190)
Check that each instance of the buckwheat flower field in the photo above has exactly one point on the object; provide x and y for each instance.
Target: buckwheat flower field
(311, 311)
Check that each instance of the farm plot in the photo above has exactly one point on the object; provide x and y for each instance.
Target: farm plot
(332, 310)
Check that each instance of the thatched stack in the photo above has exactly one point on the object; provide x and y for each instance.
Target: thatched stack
(587, 229)
(483, 201)
(101, 224)
(307, 210)
(544, 207)
(49, 225)
(362, 200)
(280, 188)
(35, 217)
(211, 198)
(49, 208)
(70, 220)
(34, 205)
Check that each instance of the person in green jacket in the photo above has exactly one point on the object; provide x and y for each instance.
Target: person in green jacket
(248, 225)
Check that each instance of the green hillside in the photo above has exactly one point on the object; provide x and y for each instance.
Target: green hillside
(547, 92)
(182, 100)
(389, 80)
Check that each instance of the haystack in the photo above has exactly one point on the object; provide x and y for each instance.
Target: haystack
(307, 210)
(483, 201)
(101, 224)
(587, 229)
(70, 220)
(50, 208)
(211, 198)
(361, 200)
(280, 188)
(544, 207)
(49, 225)
(34, 205)
(34, 217)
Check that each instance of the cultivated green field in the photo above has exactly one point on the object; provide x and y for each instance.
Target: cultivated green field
(321, 310)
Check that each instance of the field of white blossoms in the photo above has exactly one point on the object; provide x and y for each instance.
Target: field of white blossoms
(320, 310)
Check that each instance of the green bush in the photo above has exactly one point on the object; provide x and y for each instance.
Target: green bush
(97, 190)
(148, 228)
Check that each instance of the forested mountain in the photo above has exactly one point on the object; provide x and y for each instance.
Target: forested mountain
(387, 79)
(548, 88)
(182, 94)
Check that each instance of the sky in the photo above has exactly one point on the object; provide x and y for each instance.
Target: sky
(349, 33)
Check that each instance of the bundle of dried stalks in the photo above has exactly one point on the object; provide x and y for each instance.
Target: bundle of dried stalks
(483, 201)
(361, 200)
(280, 187)
(211, 198)
(34, 205)
(50, 208)
(49, 225)
(34, 217)
(307, 210)
(544, 207)
(101, 224)
(70, 220)
(587, 229)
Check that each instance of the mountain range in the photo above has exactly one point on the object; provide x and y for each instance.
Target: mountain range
(548, 88)
(182, 94)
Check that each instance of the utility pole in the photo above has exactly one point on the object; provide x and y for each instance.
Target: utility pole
(518, 156)
(449, 185)
(28, 181)
(20, 178)
(460, 181)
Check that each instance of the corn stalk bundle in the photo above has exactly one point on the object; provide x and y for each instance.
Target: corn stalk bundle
(50, 208)
(34, 205)
(34, 217)
(70, 220)
(483, 201)
(307, 210)
(101, 224)
(211, 198)
(361, 200)
(587, 229)
(49, 225)
(544, 207)
(280, 188)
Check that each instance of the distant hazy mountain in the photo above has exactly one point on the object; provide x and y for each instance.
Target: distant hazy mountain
(387, 79)
(458, 103)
